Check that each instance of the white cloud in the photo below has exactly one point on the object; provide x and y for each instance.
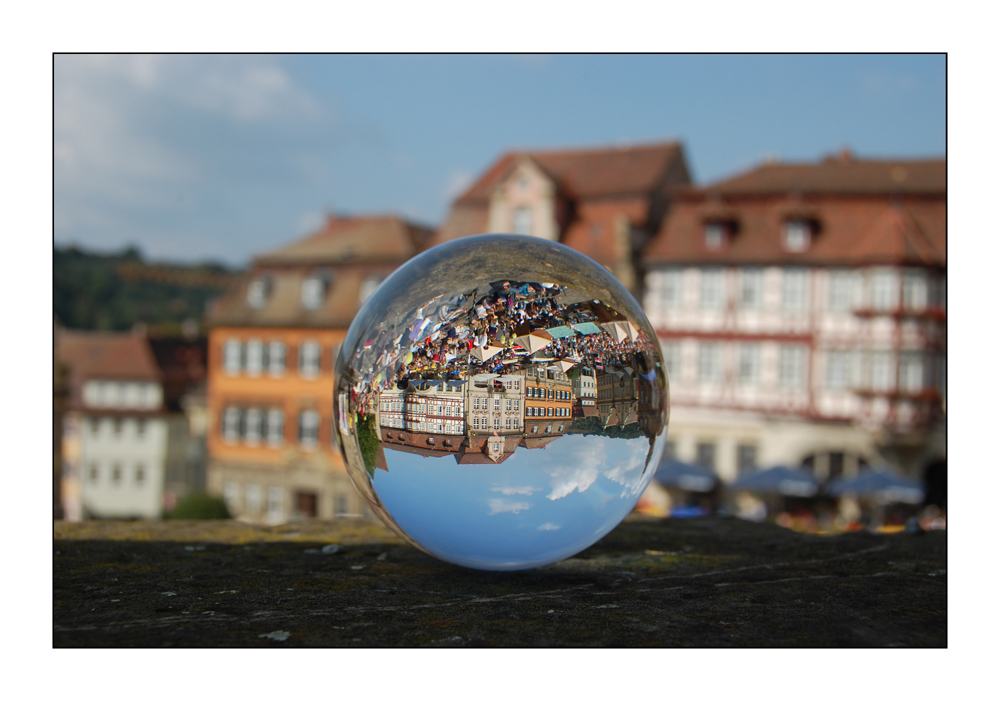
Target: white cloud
(499, 506)
(589, 457)
(549, 527)
(508, 491)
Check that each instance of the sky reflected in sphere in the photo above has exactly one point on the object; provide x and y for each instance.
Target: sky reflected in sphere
(501, 402)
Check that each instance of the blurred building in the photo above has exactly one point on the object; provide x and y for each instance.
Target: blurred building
(605, 203)
(126, 441)
(801, 312)
(273, 340)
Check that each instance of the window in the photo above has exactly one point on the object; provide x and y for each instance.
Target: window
(496, 403)
(844, 287)
(275, 503)
(749, 363)
(253, 498)
(308, 428)
(792, 368)
(258, 291)
(911, 373)
(672, 359)
(915, 290)
(309, 359)
(140, 427)
(232, 353)
(706, 455)
(712, 288)
(884, 293)
(140, 475)
(252, 429)
(746, 458)
(709, 363)
(276, 358)
(522, 221)
(881, 371)
(796, 235)
(794, 292)
(669, 295)
(275, 427)
(313, 291)
(254, 357)
(751, 288)
(715, 235)
(116, 474)
(836, 370)
(94, 473)
(231, 424)
(341, 507)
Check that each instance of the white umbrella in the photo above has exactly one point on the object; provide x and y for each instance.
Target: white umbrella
(633, 331)
(534, 342)
(615, 331)
(484, 354)
(565, 365)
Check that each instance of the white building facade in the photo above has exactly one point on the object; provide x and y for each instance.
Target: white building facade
(802, 321)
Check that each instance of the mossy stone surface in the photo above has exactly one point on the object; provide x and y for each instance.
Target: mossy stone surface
(712, 582)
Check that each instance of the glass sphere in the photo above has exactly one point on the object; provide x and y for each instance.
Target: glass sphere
(501, 402)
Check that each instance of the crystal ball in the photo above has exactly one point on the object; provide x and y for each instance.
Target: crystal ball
(501, 402)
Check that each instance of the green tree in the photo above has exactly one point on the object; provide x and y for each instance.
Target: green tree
(200, 506)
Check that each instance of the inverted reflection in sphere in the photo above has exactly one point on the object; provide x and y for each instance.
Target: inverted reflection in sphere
(501, 402)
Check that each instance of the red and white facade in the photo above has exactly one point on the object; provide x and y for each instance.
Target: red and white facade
(801, 312)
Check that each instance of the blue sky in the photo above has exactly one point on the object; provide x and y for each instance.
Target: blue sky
(536, 507)
(225, 156)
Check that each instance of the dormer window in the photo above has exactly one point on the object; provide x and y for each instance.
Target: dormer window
(258, 292)
(717, 234)
(797, 235)
(522, 221)
(314, 289)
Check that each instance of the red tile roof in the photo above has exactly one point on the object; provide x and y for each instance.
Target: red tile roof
(841, 175)
(861, 218)
(374, 239)
(120, 356)
(589, 173)
(352, 249)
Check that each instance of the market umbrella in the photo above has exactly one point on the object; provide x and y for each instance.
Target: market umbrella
(534, 342)
(682, 475)
(881, 482)
(484, 354)
(561, 332)
(565, 365)
(787, 481)
(587, 328)
(616, 331)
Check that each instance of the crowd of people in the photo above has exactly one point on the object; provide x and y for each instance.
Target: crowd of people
(443, 343)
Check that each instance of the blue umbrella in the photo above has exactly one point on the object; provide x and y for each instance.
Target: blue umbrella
(881, 482)
(789, 481)
(681, 475)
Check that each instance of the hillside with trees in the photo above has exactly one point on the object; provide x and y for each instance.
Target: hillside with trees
(116, 291)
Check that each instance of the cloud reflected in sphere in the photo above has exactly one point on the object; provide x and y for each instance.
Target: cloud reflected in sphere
(501, 402)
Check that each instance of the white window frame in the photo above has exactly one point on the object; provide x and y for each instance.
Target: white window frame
(885, 290)
(796, 235)
(792, 364)
(844, 286)
(752, 281)
(749, 364)
(795, 290)
(713, 288)
(276, 358)
(710, 363)
(232, 356)
(520, 221)
(309, 359)
(254, 365)
(308, 428)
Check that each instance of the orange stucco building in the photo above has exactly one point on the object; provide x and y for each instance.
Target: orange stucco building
(274, 337)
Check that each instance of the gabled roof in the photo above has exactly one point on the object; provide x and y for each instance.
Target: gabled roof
(353, 240)
(861, 219)
(588, 173)
(843, 175)
(118, 356)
